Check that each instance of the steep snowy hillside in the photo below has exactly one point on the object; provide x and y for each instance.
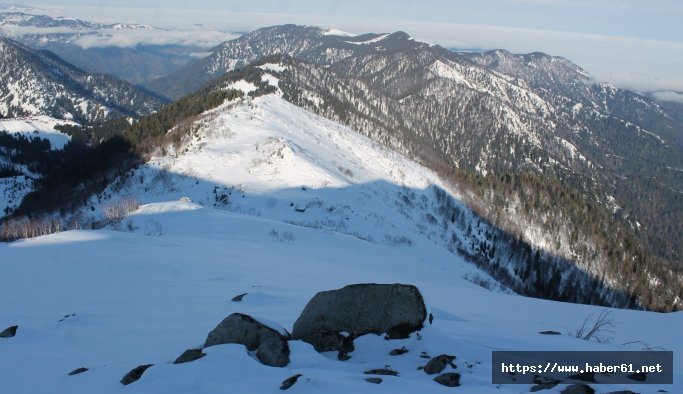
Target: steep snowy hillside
(267, 157)
(41, 126)
(40, 83)
(13, 188)
(16, 177)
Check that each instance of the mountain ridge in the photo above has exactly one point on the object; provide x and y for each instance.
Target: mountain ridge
(40, 82)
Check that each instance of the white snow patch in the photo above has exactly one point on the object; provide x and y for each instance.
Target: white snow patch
(278, 68)
(242, 85)
(370, 41)
(270, 79)
(38, 126)
(337, 32)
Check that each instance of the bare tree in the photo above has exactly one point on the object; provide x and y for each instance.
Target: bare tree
(599, 330)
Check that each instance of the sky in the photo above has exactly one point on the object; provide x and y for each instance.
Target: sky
(635, 44)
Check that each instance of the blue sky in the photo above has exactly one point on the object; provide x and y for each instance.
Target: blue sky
(636, 44)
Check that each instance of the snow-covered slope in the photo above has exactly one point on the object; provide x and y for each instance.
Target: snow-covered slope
(269, 158)
(37, 126)
(40, 83)
(280, 204)
(110, 301)
(14, 188)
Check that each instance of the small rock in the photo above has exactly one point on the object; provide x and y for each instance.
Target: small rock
(77, 371)
(382, 371)
(438, 363)
(638, 377)
(374, 380)
(450, 379)
(270, 345)
(9, 332)
(578, 389)
(550, 332)
(189, 355)
(135, 374)
(398, 352)
(289, 382)
(239, 297)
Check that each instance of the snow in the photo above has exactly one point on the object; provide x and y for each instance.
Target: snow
(576, 108)
(12, 191)
(430, 44)
(270, 79)
(370, 41)
(278, 68)
(337, 32)
(242, 85)
(138, 296)
(573, 152)
(451, 72)
(38, 126)
(140, 299)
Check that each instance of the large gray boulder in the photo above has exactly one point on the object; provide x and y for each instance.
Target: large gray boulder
(270, 345)
(332, 317)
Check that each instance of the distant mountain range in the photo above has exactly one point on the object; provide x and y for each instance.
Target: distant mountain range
(76, 41)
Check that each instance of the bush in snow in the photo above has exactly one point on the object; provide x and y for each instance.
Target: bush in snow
(29, 227)
(286, 236)
(115, 211)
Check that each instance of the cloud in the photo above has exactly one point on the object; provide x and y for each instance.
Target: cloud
(669, 96)
(132, 38)
(13, 30)
(126, 37)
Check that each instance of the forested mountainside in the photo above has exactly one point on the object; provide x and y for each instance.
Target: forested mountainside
(40, 83)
